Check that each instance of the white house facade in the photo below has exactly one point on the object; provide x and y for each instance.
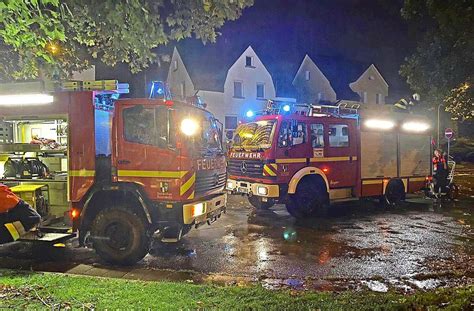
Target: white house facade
(179, 81)
(311, 84)
(371, 87)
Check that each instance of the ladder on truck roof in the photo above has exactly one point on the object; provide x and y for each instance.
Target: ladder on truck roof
(341, 110)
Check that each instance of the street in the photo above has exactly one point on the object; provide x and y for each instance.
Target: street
(414, 246)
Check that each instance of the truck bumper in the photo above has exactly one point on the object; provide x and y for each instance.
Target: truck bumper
(202, 211)
(249, 188)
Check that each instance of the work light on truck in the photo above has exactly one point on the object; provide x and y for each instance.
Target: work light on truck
(25, 99)
(414, 126)
(189, 127)
(379, 124)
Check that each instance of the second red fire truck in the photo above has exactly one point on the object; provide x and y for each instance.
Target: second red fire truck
(307, 156)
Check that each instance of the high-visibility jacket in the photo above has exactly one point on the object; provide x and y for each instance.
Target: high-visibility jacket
(8, 199)
(439, 164)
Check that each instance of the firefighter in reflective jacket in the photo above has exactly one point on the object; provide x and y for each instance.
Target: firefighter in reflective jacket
(440, 169)
(16, 216)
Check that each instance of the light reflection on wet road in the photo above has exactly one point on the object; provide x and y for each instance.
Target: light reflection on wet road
(355, 241)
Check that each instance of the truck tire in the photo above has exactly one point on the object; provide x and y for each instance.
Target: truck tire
(310, 199)
(259, 204)
(119, 236)
(394, 193)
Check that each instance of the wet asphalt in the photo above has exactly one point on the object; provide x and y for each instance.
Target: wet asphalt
(418, 241)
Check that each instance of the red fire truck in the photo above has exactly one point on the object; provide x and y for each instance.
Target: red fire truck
(307, 156)
(137, 168)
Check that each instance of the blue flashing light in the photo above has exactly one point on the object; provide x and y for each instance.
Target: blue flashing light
(286, 108)
(250, 114)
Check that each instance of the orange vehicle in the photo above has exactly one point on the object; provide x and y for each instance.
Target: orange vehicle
(137, 168)
(307, 156)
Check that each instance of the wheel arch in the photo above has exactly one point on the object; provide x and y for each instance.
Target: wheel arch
(110, 194)
(304, 172)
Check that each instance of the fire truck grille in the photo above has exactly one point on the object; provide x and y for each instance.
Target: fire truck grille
(207, 182)
(251, 168)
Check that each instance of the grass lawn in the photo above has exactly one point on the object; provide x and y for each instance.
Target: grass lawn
(21, 290)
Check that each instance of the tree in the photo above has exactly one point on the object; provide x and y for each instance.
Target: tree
(53, 38)
(442, 68)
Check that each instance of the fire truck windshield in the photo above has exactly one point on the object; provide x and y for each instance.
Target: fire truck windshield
(254, 135)
(207, 138)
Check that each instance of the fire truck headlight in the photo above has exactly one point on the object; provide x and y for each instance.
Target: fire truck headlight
(414, 126)
(198, 209)
(379, 124)
(189, 127)
(262, 190)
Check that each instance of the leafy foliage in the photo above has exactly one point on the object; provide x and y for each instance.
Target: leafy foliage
(55, 37)
(444, 60)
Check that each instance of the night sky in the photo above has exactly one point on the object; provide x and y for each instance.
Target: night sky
(282, 32)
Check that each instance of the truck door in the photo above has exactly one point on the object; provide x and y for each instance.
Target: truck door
(143, 152)
(340, 154)
(293, 148)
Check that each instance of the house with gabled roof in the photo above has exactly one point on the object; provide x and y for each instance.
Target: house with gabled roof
(229, 90)
(371, 86)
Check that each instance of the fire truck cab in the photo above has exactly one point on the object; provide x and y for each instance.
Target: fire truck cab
(307, 156)
(136, 169)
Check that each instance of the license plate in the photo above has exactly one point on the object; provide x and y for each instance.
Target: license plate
(242, 190)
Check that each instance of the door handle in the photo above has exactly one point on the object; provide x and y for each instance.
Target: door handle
(123, 162)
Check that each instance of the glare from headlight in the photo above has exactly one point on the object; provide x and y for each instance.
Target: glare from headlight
(413, 126)
(379, 124)
(189, 127)
(262, 190)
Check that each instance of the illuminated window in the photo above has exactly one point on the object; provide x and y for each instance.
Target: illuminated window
(238, 89)
(378, 99)
(183, 89)
(260, 90)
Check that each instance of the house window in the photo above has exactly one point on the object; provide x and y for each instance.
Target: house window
(363, 97)
(183, 90)
(260, 90)
(378, 99)
(307, 75)
(175, 65)
(248, 61)
(238, 89)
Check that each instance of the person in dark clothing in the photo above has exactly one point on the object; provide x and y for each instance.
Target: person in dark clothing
(440, 171)
(16, 216)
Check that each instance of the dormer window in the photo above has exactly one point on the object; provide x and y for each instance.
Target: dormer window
(248, 61)
(307, 75)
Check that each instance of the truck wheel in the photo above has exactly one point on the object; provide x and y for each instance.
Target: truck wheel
(309, 200)
(120, 236)
(259, 204)
(394, 193)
